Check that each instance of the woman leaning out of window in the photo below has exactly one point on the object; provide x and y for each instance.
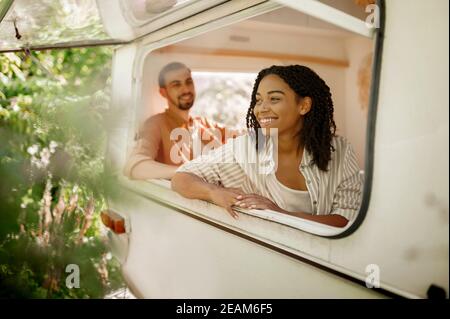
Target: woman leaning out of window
(290, 161)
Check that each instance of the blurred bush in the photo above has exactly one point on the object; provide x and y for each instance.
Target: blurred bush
(53, 180)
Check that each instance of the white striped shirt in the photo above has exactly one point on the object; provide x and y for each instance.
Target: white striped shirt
(237, 164)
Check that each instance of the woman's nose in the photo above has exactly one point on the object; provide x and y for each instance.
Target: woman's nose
(263, 106)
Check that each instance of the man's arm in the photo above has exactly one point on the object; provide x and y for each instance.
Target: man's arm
(149, 169)
(192, 186)
(141, 163)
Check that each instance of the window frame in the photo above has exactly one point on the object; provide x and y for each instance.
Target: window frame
(371, 123)
(167, 37)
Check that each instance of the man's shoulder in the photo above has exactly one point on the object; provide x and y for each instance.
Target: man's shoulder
(154, 121)
(151, 125)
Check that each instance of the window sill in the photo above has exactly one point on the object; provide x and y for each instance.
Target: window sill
(296, 235)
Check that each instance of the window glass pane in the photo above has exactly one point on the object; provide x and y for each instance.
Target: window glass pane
(35, 23)
(223, 96)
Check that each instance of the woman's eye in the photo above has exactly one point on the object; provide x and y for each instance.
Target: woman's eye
(258, 102)
(274, 99)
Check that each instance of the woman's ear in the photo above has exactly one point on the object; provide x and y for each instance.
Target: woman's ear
(305, 105)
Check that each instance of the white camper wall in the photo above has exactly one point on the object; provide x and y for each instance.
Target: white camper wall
(405, 232)
(408, 212)
(120, 129)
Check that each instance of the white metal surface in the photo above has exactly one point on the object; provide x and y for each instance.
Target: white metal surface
(172, 255)
(406, 231)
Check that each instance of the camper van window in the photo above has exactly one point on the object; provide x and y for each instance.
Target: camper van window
(210, 97)
(40, 24)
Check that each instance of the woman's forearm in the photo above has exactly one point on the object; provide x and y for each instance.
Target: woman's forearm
(331, 220)
(192, 186)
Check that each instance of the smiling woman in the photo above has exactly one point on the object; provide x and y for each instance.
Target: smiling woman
(314, 173)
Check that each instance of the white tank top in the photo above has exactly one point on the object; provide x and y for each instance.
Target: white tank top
(295, 200)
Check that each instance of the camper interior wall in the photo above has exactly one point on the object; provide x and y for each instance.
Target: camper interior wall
(344, 55)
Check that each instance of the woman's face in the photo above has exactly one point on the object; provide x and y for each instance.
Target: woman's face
(278, 106)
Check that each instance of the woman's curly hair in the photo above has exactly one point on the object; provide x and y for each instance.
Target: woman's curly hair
(318, 127)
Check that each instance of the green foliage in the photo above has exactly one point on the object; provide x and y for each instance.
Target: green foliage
(53, 106)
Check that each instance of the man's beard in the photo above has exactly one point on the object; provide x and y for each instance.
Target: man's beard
(185, 105)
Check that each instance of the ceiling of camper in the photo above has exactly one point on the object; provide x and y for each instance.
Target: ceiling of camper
(293, 21)
(287, 20)
(30, 23)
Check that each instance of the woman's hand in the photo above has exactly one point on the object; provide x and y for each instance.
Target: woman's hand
(226, 197)
(254, 201)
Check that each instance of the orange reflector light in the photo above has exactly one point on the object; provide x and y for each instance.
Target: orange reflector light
(113, 221)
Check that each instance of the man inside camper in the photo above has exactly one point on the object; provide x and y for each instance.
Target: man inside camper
(167, 140)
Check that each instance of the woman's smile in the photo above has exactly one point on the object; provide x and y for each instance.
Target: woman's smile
(267, 121)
